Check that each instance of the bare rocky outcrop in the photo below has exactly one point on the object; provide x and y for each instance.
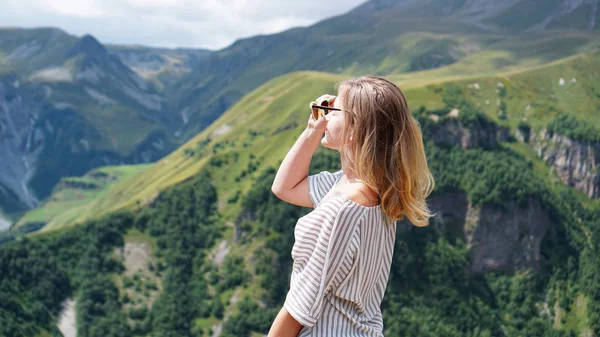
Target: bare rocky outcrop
(220, 253)
(576, 162)
(505, 238)
(452, 131)
(136, 256)
(500, 238)
(66, 321)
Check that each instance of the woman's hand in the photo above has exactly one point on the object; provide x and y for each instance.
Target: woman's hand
(319, 125)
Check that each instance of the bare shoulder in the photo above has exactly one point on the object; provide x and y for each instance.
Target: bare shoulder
(360, 194)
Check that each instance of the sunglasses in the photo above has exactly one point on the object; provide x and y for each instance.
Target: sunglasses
(320, 110)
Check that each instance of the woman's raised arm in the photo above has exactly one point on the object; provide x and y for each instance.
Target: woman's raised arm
(291, 184)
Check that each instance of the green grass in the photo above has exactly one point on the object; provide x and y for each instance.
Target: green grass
(506, 56)
(43, 333)
(67, 202)
(206, 324)
(577, 318)
(281, 103)
(538, 87)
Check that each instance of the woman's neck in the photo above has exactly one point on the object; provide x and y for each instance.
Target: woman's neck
(349, 176)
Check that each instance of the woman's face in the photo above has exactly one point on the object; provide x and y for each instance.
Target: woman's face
(335, 125)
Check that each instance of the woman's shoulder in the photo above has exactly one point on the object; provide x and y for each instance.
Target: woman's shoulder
(359, 194)
(341, 206)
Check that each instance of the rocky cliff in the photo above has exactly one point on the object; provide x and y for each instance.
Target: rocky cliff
(18, 140)
(504, 239)
(576, 162)
(451, 130)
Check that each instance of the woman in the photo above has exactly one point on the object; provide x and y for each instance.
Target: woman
(343, 248)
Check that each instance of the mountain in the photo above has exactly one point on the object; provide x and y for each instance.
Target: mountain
(68, 105)
(501, 16)
(164, 67)
(383, 38)
(52, 82)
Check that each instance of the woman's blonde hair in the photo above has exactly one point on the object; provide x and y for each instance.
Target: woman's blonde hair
(386, 150)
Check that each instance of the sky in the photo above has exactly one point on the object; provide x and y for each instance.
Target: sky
(210, 24)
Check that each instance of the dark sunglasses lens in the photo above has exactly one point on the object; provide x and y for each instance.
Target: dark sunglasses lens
(316, 111)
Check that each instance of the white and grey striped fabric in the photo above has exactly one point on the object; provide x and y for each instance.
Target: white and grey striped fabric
(342, 257)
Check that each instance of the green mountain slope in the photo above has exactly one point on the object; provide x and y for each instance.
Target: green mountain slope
(275, 113)
(381, 37)
(262, 121)
(514, 16)
(74, 195)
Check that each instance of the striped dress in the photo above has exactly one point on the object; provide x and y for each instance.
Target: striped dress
(342, 257)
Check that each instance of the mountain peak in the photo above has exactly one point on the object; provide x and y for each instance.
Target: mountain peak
(89, 46)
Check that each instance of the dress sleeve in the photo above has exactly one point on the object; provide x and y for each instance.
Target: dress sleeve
(319, 184)
(326, 263)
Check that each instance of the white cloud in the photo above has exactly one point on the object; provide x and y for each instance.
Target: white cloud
(80, 8)
(212, 24)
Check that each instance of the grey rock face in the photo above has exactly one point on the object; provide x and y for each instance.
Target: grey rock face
(452, 132)
(499, 238)
(505, 239)
(17, 144)
(451, 211)
(576, 162)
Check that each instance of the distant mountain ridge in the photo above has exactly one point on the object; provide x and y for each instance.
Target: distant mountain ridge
(65, 106)
(536, 15)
